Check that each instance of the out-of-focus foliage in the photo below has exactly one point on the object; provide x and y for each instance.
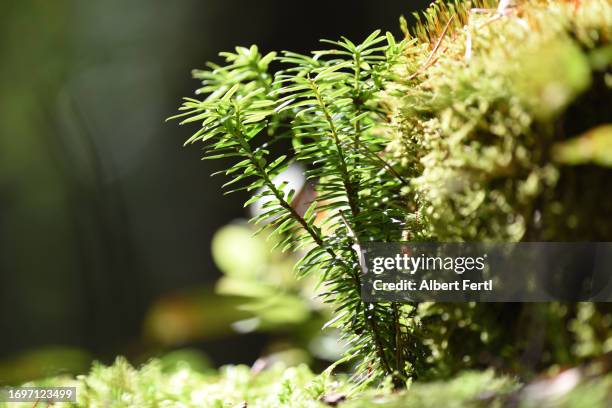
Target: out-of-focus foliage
(262, 277)
(257, 292)
(187, 316)
(195, 359)
(42, 363)
(470, 389)
(594, 146)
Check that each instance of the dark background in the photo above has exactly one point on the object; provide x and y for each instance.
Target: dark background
(102, 210)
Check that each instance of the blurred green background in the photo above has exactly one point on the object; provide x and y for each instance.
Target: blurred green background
(106, 221)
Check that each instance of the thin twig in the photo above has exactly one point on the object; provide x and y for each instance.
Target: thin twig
(430, 60)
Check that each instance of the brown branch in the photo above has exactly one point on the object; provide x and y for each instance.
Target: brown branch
(430, 60)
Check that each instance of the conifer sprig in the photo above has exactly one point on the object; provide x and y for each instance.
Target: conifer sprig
(327, 103)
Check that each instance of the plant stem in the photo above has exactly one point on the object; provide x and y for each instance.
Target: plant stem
(369, 314)
(346, 179)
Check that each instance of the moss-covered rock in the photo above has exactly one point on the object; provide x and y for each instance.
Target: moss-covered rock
(479, 118)
(501, 119)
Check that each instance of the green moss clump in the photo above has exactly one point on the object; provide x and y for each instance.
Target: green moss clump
(477, 128)
(503, 125)
(122, 385)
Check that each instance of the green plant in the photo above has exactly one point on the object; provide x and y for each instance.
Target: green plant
(153, 385)
(507, 138)
(121, 385)
(262, 279)
(326, 104)
(454, 133)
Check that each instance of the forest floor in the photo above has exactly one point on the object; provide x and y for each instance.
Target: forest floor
(152, 385)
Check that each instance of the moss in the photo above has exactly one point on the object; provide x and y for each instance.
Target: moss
(122, 385)
(470, 389)
(489, 113)
(488, 116)
(502, 124)
(477, 128)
